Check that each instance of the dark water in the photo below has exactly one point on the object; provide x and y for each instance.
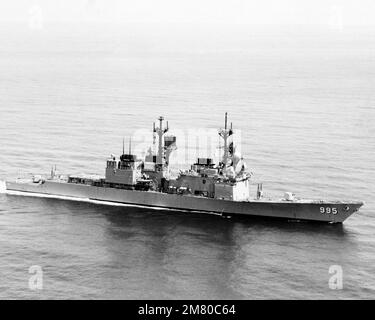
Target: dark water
(304, 102)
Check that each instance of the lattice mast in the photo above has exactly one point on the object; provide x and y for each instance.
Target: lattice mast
(225, 134)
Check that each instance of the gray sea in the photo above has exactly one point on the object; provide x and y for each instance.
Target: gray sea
(303, 100)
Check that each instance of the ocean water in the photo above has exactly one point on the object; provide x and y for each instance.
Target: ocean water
(303, 100)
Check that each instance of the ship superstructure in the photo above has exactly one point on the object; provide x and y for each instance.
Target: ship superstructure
(228, 180)
(222, 188)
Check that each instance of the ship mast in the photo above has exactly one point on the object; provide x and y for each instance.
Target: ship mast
(225, 134)
(160, 132)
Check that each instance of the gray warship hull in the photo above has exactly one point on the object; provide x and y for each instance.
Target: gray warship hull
(310, 210)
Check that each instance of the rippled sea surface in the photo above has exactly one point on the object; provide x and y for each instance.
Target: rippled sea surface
(303, 100)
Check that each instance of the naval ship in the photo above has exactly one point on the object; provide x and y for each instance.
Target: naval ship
(222, 188)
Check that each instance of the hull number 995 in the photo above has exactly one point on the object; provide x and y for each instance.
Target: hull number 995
(328, 210)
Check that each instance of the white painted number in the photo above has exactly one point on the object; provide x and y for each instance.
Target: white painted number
(328, 210)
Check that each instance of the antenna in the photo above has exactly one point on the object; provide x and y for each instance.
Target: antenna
(161, 118)
(123, 145)
(130, 145)
(226, 120)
